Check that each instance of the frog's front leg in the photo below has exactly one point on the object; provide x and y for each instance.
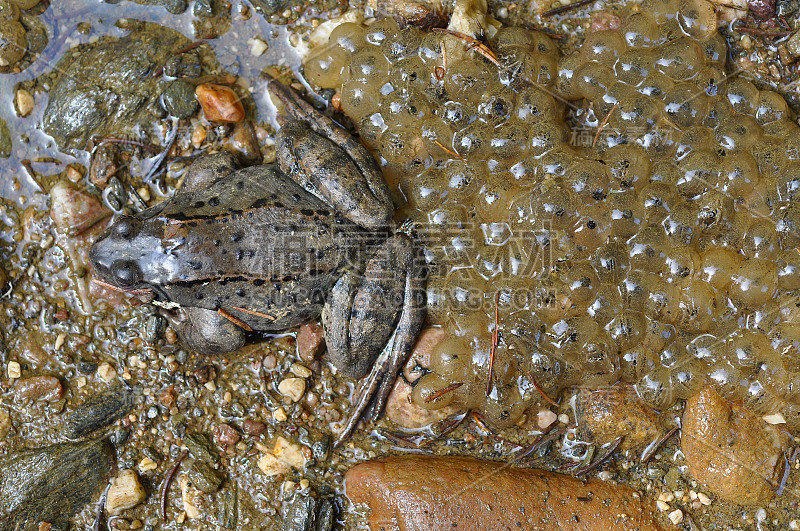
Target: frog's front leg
(371, 322)
(328, 162)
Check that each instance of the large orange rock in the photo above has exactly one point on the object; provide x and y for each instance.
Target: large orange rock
(457, 493)
(735, 453)
(219, 103)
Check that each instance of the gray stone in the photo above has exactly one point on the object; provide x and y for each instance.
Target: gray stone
(179, 99)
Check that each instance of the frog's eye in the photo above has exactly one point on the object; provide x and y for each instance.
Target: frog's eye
(126, 273)
(127, 227)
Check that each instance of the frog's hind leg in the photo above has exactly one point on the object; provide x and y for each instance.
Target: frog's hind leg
(371, 323)
(207, 170)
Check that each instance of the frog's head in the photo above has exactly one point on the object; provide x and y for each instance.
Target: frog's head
(120, 255)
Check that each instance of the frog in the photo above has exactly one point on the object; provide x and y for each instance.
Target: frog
(266, 248)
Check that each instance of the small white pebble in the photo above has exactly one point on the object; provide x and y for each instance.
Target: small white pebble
(304, 483)
(502, 12)
(747, 42)
(14, 369)
(147, 464)
(545, 418)
(81, 382)
(666, 496)
(59, 341)
(563, 418)
(271, 466)
(662, 506)
(24, 103)
(124, 492)
(794, 525)
(298, 369)
(211, 386)
(678, 494)
(676, 516)
(775, 418)
(257, 46)
(144, 193)
(279, 415)
(294, 388)
(692, 495)
(704, 499)
(605, 475)
(106, 371)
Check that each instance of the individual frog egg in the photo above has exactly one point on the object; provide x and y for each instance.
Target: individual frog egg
(715, 49)
(550, 299)
(679, 59)
(695, 138)
(534, 105)
(461, 246)
(654, 389)
(754, 283)
(663, 301)
(514, 37)
(640, 30)
(425, 191)
(718, 265)
(783, 129)
(471, 142)
(369, 67)
(785, 340)
(357, 101)
(685, 105)
(466, 81)
(433, 392)
(646, 249)
(698, 307)
(450, 358)
(776, 380)
(466, 290)
(697, 18)
(771, 107)
(603, 47)
(379, 31)
(370, 130)
(493, 199)
(402, 44)
(547, 135)
(567, 81)
(661, 10)
(571, 334)
(712, 80)
(549, 369)
(626, 213)
(699, 171)
(461, 182)
(606, 305)
(496, 107)
(656, 86)
(748, 349)
(401, 145)
(680, 226)
(429, 52)
(594, 80)
(665, 172)
(509, 142)
(629, 165)
(599, 360)
(760, 240)
(738, 132)
(719, 111)
(349, 36)
(715, 213)
(437, 300)
(788, 182)
(611, 261)
(455, 114)
(743, 95)
(687, 378)
(633, 66)
(438, 138)
(680, 263)
(504, 406)
(657, 199)
(324, 65)
(633, 290)
(627, 329)
(510, 294)
(759, 400)
(582, 283)
(605, 107)
(738, 174)
(770, 155)
(590, 231)
(542, 44)
(588, 180)
(788, 266)
(541, 70)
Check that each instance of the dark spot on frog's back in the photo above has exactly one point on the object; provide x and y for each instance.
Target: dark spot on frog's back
(259, 203)
(199, 204)
(258, 282)
(214, 201)
(194, 264)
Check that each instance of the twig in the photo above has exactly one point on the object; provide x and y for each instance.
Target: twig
(650, 451)
(148, 147)
(605, 455)
(449, 427)
(762, 33)
(472, 44)
(532, 27)
(235, 320)
(543, 439)
(562, 9)
(603, 124)
(540, 390)
(452, 153)
(433, 396)
(101, 505)
(253, 312)
(168, 482)
(495, 338)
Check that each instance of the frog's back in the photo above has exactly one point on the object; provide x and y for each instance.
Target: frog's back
(256, 241)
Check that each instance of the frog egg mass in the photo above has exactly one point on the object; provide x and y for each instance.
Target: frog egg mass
(655, 241)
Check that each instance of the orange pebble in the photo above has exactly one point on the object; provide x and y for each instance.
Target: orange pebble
(220, 103)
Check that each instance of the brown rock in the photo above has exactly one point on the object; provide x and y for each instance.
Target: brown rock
(605, 414)
(457, 493)
(219, 103)
(735, 453)
(39, 388)
(226, 435)
(168, 397)
(105, 164)
(74, 211)
(253, 427)
(310, 340)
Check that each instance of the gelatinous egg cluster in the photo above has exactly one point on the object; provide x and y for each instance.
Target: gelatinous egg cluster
(656, 241)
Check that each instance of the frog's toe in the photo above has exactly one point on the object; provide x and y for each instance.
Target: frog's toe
(209, 332)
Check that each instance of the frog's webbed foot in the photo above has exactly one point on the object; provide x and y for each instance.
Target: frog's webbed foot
(207, 170)
(207, 331)
(377, 315)
(327, 161)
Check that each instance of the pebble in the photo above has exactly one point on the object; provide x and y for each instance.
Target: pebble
(257, 46)
(563, 418)
(300, 370)
(290, 453)
(253, 427)
(280, 415)
(272, 466)
(405, 412)
(199, 134)
(310, 340)
(204, 477)
(676, 516)
(605, 414)
(107, 372)
(220, 103)
(425, 492)
(191, 497)
(662, 506)
(293, 388)
(25, 103)
(46, 388)
(74, 211)
(124, 492)
(545, 418)
(704, 499)
(226, 435)
(179, 99)
(14, 369)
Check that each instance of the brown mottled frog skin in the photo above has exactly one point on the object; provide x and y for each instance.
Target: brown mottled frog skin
(267, 248)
